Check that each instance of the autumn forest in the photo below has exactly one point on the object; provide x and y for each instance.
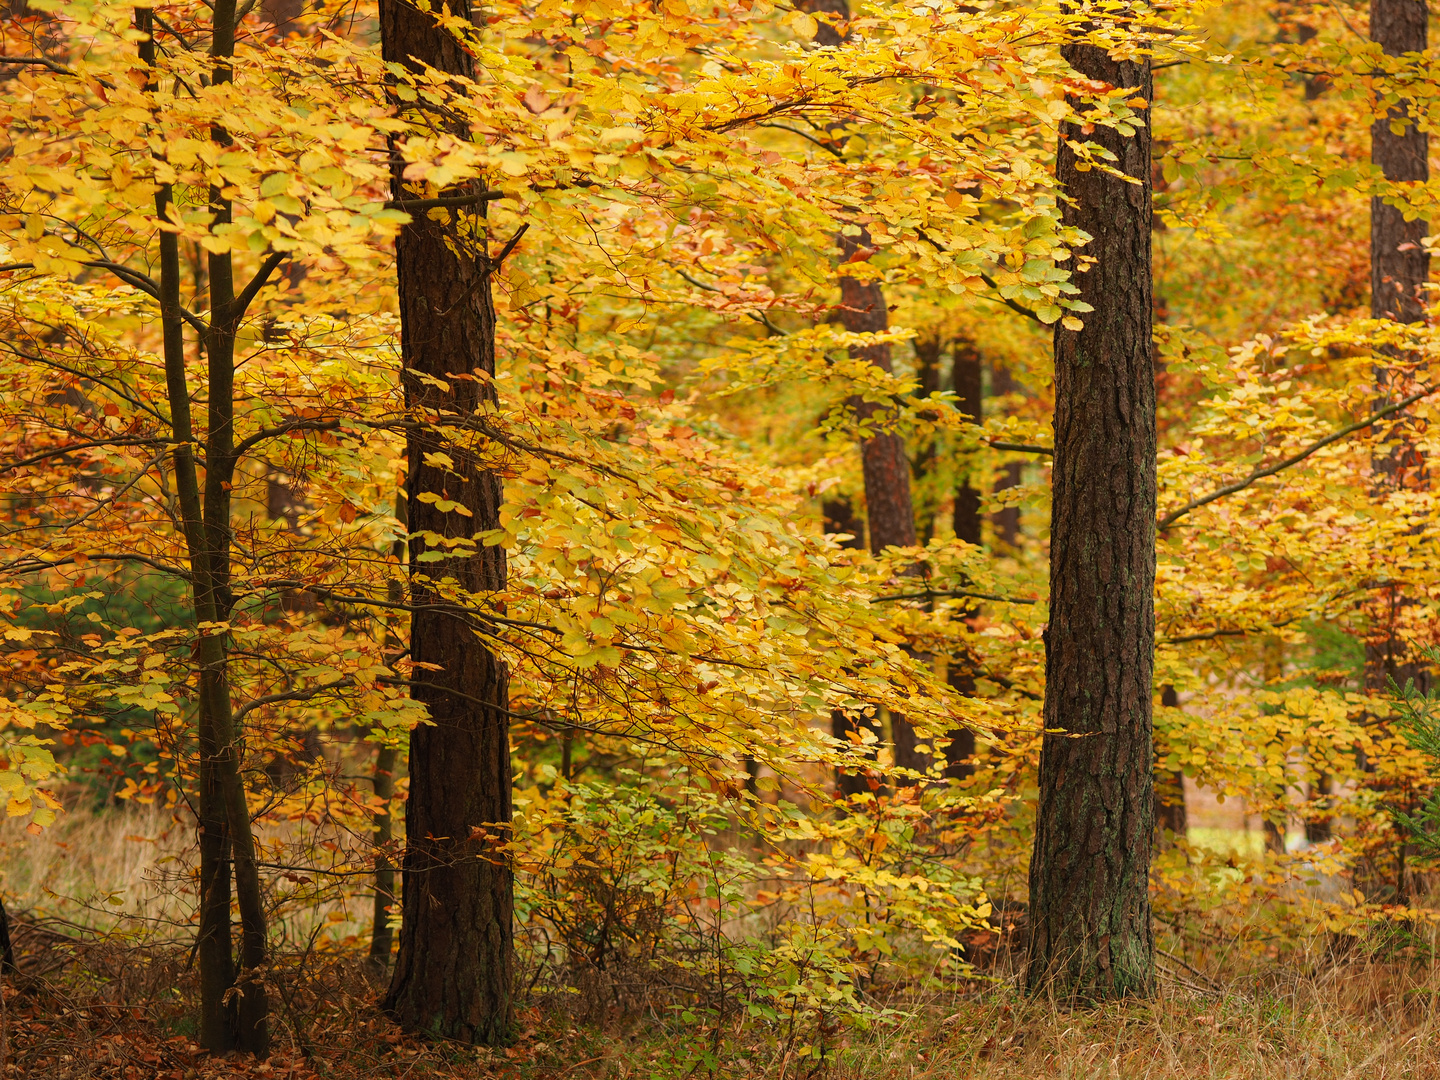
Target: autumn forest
(797, 539)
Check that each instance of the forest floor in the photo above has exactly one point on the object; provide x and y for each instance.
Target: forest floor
(98, 1005)
(112, 1012)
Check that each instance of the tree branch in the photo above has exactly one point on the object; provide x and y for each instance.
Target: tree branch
(1270, 470)
(1022, 448)
(445, 201)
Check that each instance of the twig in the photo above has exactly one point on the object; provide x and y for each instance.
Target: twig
(496, 262)
(1022, 448)
(956, 593)
(1270, 470)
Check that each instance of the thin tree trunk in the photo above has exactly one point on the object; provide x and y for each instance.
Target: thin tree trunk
(1318, 827)
(840, 517)
(7, 950)
(387, 759)
(252, 1009)
(1170, 814)
(224, 819)
(927, 373)
(453, 971)
(1006, 521)
(1090, 927)
(967, 382)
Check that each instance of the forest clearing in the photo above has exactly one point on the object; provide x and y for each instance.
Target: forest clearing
(718, 538)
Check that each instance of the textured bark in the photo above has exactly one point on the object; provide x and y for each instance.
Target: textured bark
(1091, 933)
(453, 970)
(888, 507)
(1006, 521)
(1398, 262)
(1399, 268)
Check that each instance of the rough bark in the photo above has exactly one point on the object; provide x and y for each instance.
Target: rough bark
(1399, 264)
(453, 970)
(888, 507)
(1091, 933)
(1399, 269)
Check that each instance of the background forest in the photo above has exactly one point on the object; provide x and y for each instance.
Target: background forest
(718, 538)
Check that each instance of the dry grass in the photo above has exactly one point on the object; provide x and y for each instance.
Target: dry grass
(100, 1004)
(100, 870)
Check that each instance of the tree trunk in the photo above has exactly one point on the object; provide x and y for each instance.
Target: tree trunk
(387, 759)
(382, 937)
(1399, 264)
(1006, 521)
(922, 464)
(1170, 815)
(965, 380)
(1399, 269)
(453, 971)
(1091, 934)
(234, 1010)
(7, 951)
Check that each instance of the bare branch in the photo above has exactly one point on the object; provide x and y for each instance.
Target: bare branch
(1270, 470)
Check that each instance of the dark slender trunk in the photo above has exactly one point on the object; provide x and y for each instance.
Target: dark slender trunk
(840, 517)
(1090, 928)
(1399, 269)
(1006, 521)
(387, 760)
(922, 465)
(7, 950)
(965, 380)
(453, 971)
(234, 1009)
(1318, 824)
(382, 937)
(1170, 815)
(1399, 265)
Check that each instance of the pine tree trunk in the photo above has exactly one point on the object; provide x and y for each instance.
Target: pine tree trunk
(453, 971)
(1399, 269)
(1090, 926)
(1399, 264)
